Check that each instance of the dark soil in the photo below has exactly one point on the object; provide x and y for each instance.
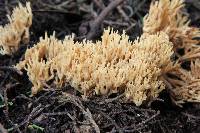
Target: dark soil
(65, 110)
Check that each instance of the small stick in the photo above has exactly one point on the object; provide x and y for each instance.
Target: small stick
(112, 99)
(96, 24)
(99, 3)
(6, 68)
(191, 116)
(112, 121)
(142, 124)
(6, 112)
(6, 7)
(86, 112)
(121, 11)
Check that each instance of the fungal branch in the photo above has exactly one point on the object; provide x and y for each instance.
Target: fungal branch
(17, 30)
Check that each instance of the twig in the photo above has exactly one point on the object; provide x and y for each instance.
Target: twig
(142, 124)
(99, 3)
(129, 8)
(57, 7)
(141, 3)
(111, 120)
(121, 11)
(77, 102)
(96, 24)
(161, 127)
(57, 113)
(6, 7)
(24, 97)
(112, 99)
(33, 113)
(46, 94)
(5, 98)
(190, 116)
(89, 115)
(115, 23)
(6, 113)
(6, 68)
(4, 80)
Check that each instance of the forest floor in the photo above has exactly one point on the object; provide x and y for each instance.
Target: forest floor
(65, 110)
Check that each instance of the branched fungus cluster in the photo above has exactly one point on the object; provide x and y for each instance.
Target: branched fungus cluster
(184, 83)
(107, 66)
(141, 68)
(17, 30)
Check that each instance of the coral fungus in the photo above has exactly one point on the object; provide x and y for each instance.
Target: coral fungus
(170, 19)
(108, 66)
(140, 68)
(167, 16)
(17, 30)
(186, 88)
